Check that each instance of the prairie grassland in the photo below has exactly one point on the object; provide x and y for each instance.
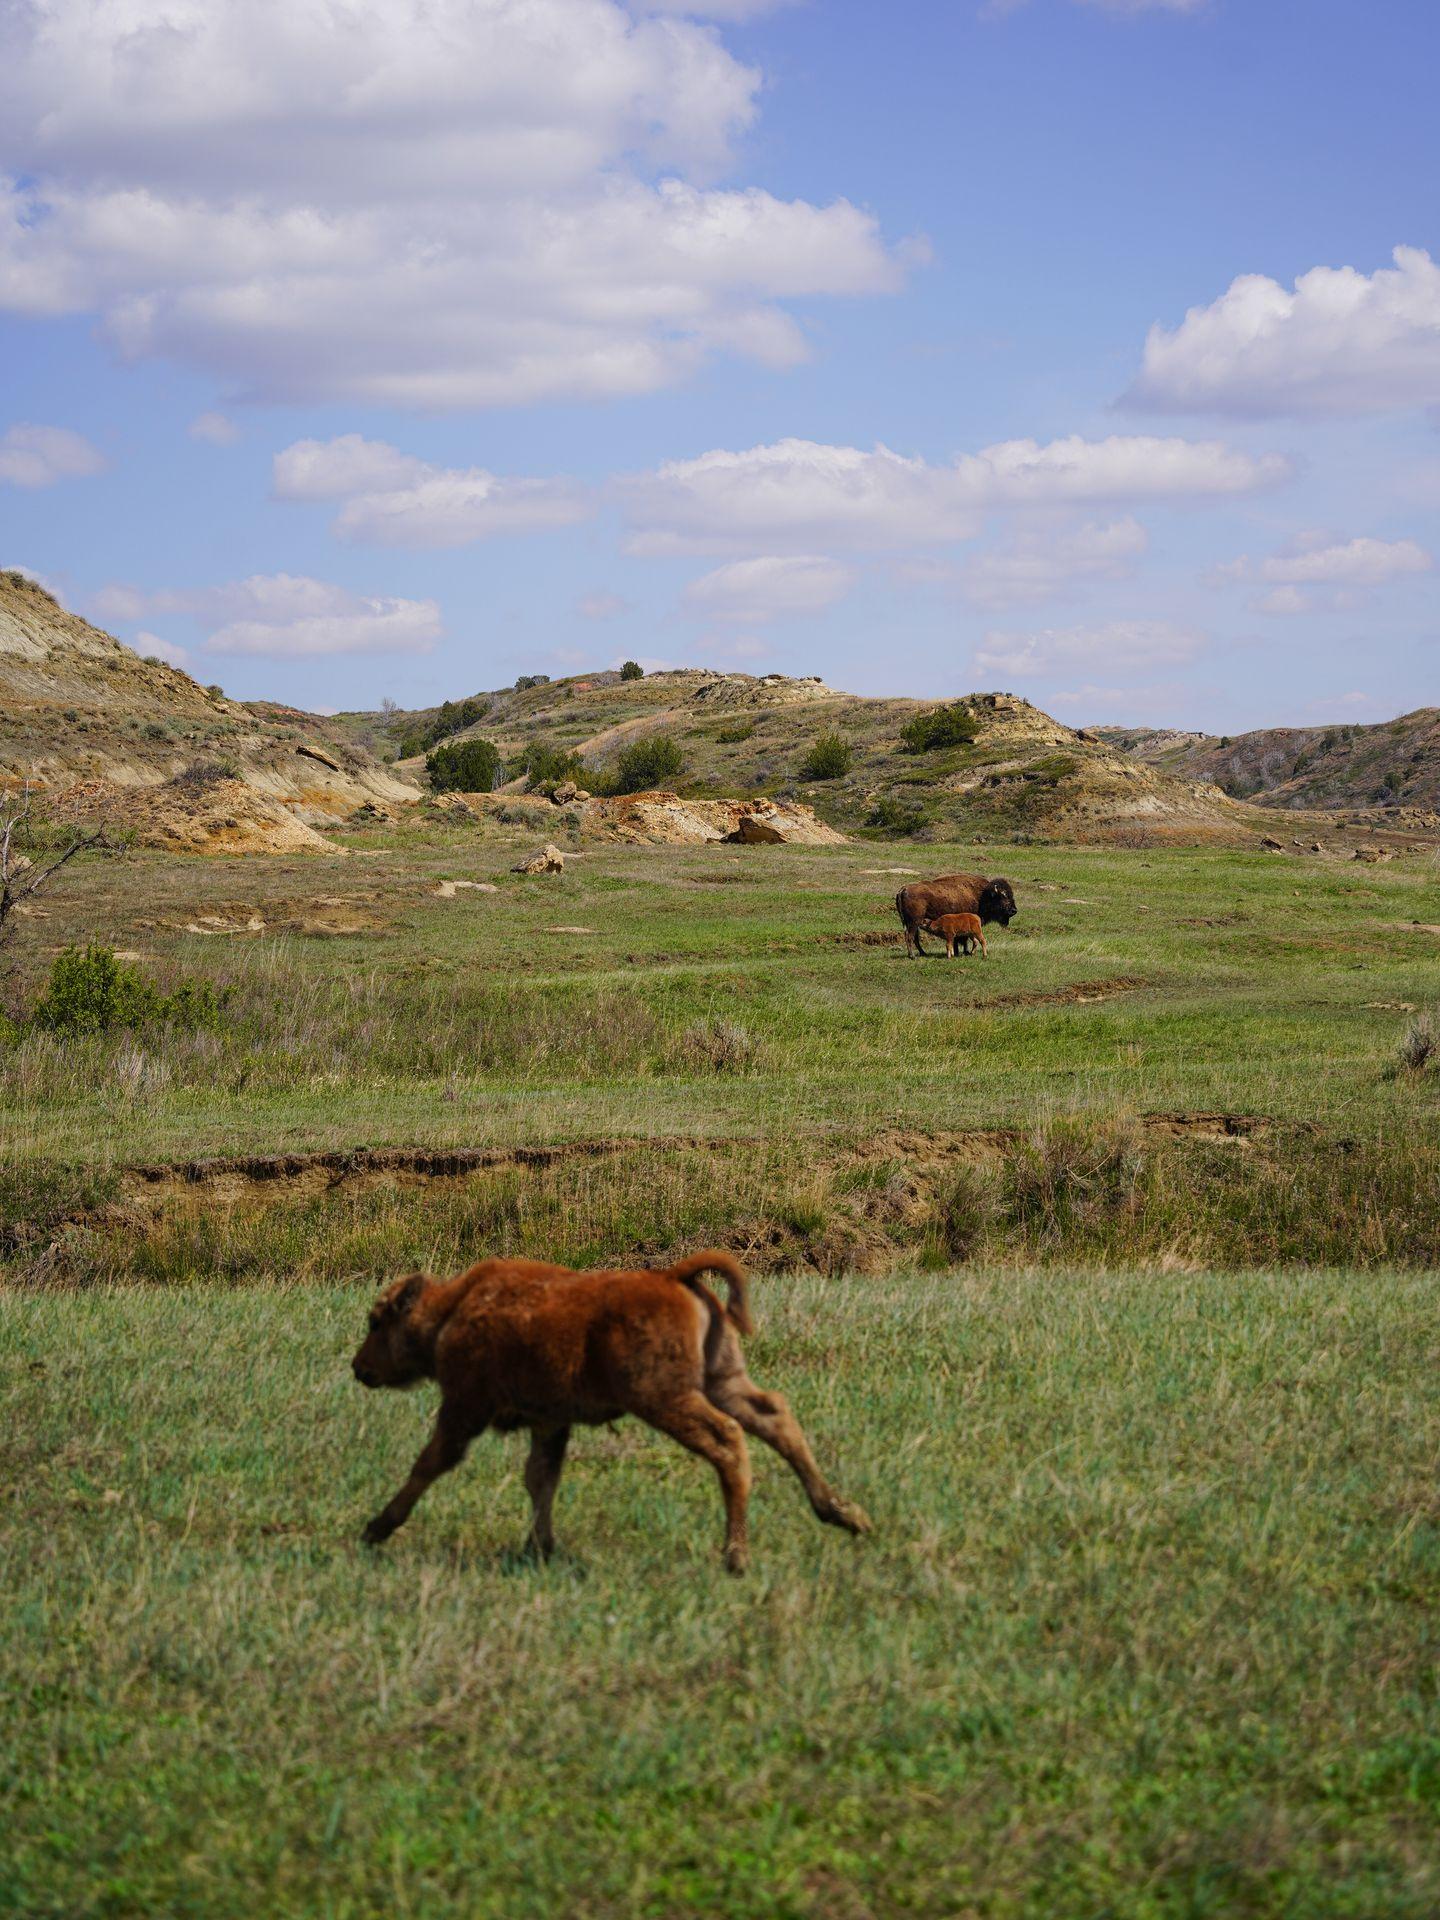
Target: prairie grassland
(758, 992)
(1147, 1627)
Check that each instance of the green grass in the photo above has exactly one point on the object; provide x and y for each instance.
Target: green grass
(1228, 981)
(1147, 1627)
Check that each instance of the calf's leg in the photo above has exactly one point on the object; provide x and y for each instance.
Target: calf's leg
(768, 1417)
(542, 1476)
(444, 1450)
(702, 1427)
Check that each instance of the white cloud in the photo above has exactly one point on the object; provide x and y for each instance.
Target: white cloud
(152, 643)
(774, 587)
(1120, 646)
(1038, 566)
(393, 500)
(602, 606)
(33, 456)
(1341, 342)
(1320, 574)
(798, 494)
(423, 203)
(216, 429)
(285, 615)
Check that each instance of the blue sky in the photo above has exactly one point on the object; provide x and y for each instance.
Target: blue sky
(379, 348)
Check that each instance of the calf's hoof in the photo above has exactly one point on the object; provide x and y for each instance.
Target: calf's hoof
(843, 1513)
(737, 1559)
(378, 1532)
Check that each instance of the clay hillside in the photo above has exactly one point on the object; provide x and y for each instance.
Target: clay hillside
(1394, 766)
(1020, 771)
(144, 744)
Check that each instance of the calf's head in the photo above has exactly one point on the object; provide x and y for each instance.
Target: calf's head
(997, 902)
(394, 1352)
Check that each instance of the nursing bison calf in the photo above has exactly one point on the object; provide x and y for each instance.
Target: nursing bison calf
(926, 900)
(517, 1343)
(960, 932)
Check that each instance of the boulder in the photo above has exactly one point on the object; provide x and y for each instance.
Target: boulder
(548, 860)
(752, 831)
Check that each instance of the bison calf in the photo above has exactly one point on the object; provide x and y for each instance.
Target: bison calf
(518, 1343)
(959, 931)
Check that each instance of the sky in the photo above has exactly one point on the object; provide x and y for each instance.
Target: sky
(1084, 349)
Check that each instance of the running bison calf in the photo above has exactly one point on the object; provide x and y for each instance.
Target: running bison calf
(517, 1343)
(959, 931)
(926, 900)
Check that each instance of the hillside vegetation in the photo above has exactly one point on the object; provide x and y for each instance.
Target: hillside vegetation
(1394, 765)
(1020, 772)
(144, 743)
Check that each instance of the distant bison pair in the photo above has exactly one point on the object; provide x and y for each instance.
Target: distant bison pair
(517, 1343)
(925, 902)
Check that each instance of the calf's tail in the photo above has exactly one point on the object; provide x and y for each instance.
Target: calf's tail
(737, 1311)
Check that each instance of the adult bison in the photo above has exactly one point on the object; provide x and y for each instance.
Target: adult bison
(993, 900)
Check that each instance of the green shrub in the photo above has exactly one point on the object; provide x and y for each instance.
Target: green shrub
(451, 717)
(632, 670)
(896, 816)
(466, 766)
(90, 991)
(529, 680)
(649, 763)
(732, 736)
(543, 764)
(952, 726)
(829, 759)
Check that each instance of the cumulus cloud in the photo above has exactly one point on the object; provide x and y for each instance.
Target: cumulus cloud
(215, 429)
(1119, 646)
(1037, 566)
(33, 456)
(392, 499)
(773, 587)
(424, 203)
(1340, 343)
(1320, 574)
(286, 615)
(799, 494)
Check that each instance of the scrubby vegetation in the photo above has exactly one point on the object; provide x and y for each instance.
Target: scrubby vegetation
(466, 766)
(451, 717)
(831, 758)
(91, 990)
(648, 763)
(632, 670)
(952, 726)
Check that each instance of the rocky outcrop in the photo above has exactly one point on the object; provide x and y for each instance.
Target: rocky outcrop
(665, 819)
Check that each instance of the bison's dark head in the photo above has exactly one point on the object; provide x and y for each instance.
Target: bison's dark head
(997, 902)
(393, 1352)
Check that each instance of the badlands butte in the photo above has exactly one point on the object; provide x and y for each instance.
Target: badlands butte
(107, 734)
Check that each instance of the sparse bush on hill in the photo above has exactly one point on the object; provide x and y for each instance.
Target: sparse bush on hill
(952, 726)
(735, 735)
(830, 758)
(529, 680)
(467, 766)
(896, 816)
(544, 765)
(1420, 1045)
(91, 991)
(201, 774)
(648, 763)
(453, 716)
(632, 670)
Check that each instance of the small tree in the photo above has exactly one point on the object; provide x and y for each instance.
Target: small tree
(465, 766)
(632, 670)
(22, 874)
(829, 759)
(952, 726)
(529, 680)
(649, 763)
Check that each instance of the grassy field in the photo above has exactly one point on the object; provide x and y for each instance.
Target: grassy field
(1102, 1274)
(1147, 1627)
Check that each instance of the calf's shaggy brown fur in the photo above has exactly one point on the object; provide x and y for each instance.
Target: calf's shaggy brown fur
(958, 930)
(518, 1343)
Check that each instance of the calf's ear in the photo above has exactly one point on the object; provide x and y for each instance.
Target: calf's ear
(408, 1292)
